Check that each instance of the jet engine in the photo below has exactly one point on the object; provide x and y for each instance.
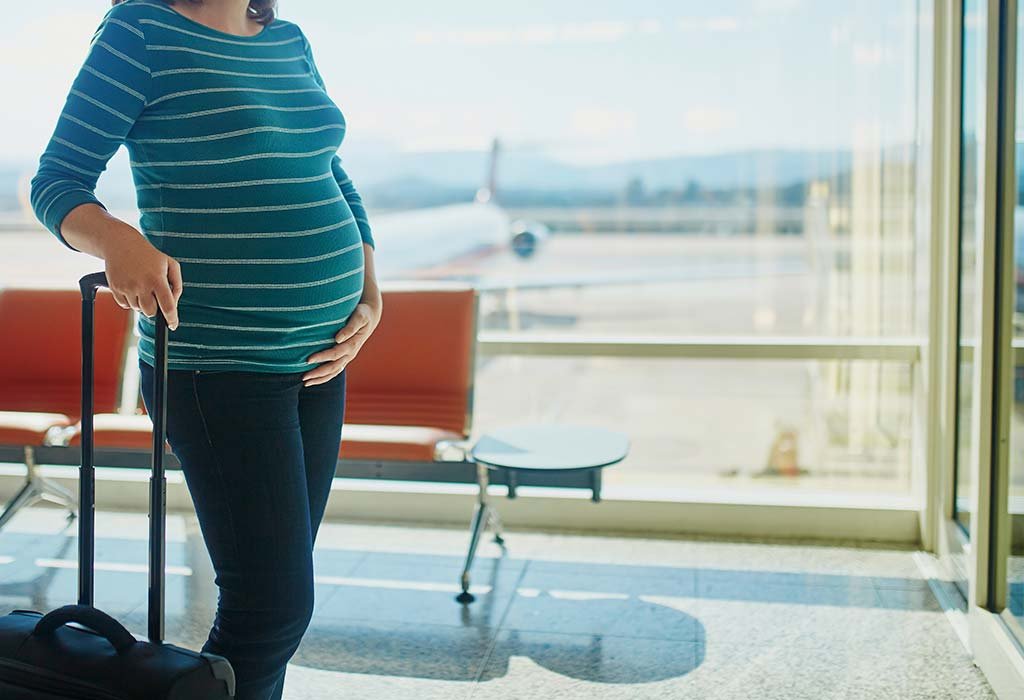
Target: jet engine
(527, 236)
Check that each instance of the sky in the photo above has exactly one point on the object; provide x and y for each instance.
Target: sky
(585, 81)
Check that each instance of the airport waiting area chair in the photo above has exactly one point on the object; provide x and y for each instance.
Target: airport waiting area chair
(410, 388)
(409, 391)
(40, 378)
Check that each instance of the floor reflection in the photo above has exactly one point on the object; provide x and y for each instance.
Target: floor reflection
(666, 630)
(456, 653)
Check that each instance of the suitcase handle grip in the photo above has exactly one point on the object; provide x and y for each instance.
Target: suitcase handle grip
(94, 280)
(91, 282)
(91, 617)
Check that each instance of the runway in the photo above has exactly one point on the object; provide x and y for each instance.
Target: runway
(694, 423)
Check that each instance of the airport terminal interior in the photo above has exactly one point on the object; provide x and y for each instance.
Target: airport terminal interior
(700, 372)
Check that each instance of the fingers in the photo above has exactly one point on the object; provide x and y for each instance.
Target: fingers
(336, 369)
(174, 275)
(336, 353)
(354, 325)
(327, 369)
(153, 284)
(121, 300)
(165, 297)
(144, 303)
(321, 380)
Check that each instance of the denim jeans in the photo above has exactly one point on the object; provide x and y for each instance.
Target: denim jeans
(258, 451)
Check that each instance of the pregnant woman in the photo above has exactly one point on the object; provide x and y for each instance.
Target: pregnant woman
(256, 246)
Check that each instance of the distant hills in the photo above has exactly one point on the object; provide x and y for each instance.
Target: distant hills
(521, 170)
(403, 180)
(392, 179)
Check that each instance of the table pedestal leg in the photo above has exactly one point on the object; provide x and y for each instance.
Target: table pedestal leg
(483, 515)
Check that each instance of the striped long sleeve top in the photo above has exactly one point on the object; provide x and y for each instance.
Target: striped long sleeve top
(232, 142)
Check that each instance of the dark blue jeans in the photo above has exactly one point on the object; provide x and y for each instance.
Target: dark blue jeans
(258, 451)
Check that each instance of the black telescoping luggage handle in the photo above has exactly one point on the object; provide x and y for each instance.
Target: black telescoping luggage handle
(157, 481)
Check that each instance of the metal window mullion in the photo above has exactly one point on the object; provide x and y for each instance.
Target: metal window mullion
(983, 378)
(703, 347)
(947, 327)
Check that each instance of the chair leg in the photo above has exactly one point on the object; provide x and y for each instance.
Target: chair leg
(60, 492)
(48, 489)
(26, 496)
(55, 493)
(36, 488)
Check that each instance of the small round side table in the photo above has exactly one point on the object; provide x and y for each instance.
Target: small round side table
(522, 450)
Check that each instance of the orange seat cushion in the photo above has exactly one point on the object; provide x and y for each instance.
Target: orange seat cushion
(370, 442)
(391, 442)
(120, 431)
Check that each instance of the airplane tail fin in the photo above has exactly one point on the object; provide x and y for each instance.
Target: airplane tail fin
(488, 192)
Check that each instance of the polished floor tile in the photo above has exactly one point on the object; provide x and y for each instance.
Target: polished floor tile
(594, 658)
(421, 589)
(556, 615)
(599, 614)
(410, 650)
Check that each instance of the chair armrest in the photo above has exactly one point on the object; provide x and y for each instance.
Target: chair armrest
(452, 451)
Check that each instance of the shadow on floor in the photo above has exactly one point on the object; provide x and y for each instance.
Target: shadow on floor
(394, 614)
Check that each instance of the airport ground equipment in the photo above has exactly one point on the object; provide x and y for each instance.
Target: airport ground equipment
(79, 651)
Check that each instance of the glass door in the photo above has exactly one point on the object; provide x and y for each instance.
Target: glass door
(981, 431)
(990, 474)
(1008, 559)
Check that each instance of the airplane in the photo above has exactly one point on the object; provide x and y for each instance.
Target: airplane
(454, 242)
(445, 240)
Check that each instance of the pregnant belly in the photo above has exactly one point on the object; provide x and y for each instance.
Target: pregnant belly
(280, 289)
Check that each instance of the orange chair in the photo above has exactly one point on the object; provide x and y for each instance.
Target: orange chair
(409, 394)
(41, 376)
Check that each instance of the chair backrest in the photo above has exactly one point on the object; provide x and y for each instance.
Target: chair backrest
(417, 367)
(41, 350)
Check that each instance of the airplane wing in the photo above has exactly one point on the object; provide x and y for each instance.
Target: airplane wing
(659, 275)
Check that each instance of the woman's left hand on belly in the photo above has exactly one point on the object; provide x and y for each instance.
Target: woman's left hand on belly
(349, 339)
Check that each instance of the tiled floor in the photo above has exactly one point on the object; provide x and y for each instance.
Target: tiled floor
(558, 616)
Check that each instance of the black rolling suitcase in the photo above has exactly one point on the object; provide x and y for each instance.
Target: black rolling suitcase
(79, 651)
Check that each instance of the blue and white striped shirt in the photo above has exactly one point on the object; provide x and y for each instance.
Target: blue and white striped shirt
(233, 146)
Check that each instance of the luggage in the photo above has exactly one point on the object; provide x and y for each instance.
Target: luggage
(79, 651)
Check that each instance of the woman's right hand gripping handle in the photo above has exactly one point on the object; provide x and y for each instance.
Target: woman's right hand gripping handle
(139, 275)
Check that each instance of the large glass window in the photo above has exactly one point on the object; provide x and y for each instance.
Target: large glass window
(783, 415)
(738, 170)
